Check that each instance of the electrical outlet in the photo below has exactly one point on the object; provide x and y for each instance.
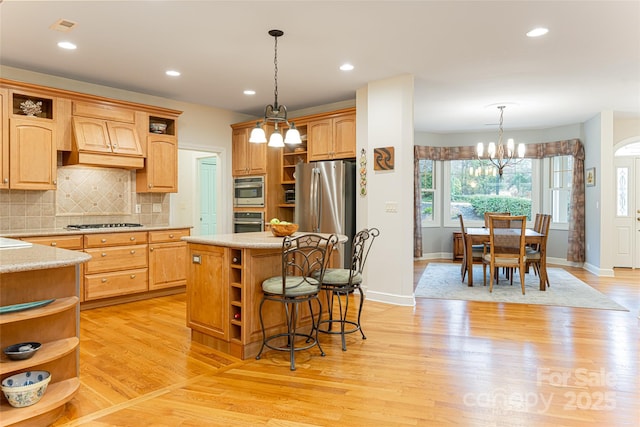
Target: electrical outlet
(157, 207)
(138, 208)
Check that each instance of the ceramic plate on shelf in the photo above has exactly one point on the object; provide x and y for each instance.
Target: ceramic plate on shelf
(24, 306)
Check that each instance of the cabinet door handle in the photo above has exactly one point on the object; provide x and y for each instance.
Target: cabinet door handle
(132, 252)
(171, 236)
(54, 244)
(150, 186)
(55, 182)
(132, 238)
(104, 280)
(6, 180)
(150, 249)
(104, 254)
(133, 276)
(103, 240)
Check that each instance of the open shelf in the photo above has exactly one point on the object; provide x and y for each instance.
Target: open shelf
(170, 123)
(57, 393)
(57, 306)
(46, 105)
(48, 352)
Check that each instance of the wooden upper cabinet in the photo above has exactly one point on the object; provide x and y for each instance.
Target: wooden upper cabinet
(332, 137)
(4, 139)
(247, 158)
(320, 139)
(124, 139)
(32, 154)
(101, 136)
(160, 174)
(91, 135)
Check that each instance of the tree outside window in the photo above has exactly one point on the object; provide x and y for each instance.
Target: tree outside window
(476, 188)
(427, 191)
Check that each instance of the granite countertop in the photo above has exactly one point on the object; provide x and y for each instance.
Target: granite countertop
(37, 257)
(70, 232)
(256, 240)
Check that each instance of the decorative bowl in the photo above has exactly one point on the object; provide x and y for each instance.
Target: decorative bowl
(281, 230)
(26, 388)
(158, 127)
(21, 351)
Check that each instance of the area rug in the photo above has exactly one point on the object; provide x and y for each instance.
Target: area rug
(442, 281)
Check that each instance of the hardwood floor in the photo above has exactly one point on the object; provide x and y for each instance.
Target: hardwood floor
(438, 363)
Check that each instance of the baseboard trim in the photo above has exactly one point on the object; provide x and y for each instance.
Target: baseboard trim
(394, 299)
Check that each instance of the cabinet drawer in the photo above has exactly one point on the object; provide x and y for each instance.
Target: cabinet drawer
(114, 239)
(101, 111)
(64, 242)
(167, 235)
(105, 285)
(114, 259)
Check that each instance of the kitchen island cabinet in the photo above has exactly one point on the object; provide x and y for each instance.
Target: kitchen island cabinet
(224, 290)
(37, 273)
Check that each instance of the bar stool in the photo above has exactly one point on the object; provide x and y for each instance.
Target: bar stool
(303, 257)
(340, 282)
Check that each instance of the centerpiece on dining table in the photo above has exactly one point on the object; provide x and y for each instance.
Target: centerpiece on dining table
(282, 228)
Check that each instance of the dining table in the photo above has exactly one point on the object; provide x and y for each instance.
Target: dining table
(480, 235)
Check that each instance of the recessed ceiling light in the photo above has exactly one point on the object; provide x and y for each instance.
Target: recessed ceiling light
(249, 92)
(346, 67)
(537, 32)
(67, 45)
(173, 73)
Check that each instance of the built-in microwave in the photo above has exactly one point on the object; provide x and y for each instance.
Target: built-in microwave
(248, 191)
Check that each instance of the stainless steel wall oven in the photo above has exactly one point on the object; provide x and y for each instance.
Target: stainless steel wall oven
(246, 222)
(248, 191)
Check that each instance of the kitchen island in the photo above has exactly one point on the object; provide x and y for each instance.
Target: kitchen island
(48, 277)
(224, 290)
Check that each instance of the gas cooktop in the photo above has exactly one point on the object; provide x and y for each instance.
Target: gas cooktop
(111, 225)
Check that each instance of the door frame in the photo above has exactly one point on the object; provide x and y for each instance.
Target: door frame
(633, 220)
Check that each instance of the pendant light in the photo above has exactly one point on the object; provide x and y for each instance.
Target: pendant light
(275, 113)
(497, 154)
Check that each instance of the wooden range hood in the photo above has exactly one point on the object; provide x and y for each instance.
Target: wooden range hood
(101, 142)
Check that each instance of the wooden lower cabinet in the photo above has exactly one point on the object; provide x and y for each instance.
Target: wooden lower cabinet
(458, 246)
(115, 283)
(224, 292)
(118, 264)
(167, 259)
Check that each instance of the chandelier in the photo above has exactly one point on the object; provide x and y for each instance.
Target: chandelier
(498, 155)
(275, 113)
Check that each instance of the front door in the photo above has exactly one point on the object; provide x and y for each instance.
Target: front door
(627, 212)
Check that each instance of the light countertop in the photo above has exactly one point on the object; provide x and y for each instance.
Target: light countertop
(70, 232)
(38, 257)
(256, 240)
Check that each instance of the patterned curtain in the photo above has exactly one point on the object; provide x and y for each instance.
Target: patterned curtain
(571, 147)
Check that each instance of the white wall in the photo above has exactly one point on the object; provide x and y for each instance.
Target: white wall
(384, 117)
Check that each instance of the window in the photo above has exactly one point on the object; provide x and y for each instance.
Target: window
(428, 194)
(560, 178)
(475, 188)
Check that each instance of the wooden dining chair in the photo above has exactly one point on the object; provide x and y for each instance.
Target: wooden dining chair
(502, 224)
(506, 247)
(302, 257)
(476, 250)
(534, 251)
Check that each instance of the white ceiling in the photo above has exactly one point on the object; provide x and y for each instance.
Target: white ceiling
(466, 56)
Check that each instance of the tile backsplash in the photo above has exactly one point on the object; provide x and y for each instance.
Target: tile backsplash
(85, 195)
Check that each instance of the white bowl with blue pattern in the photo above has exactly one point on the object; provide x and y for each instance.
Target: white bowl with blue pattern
(26, 388)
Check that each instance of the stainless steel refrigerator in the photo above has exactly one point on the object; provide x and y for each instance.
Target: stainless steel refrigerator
(326, 199)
